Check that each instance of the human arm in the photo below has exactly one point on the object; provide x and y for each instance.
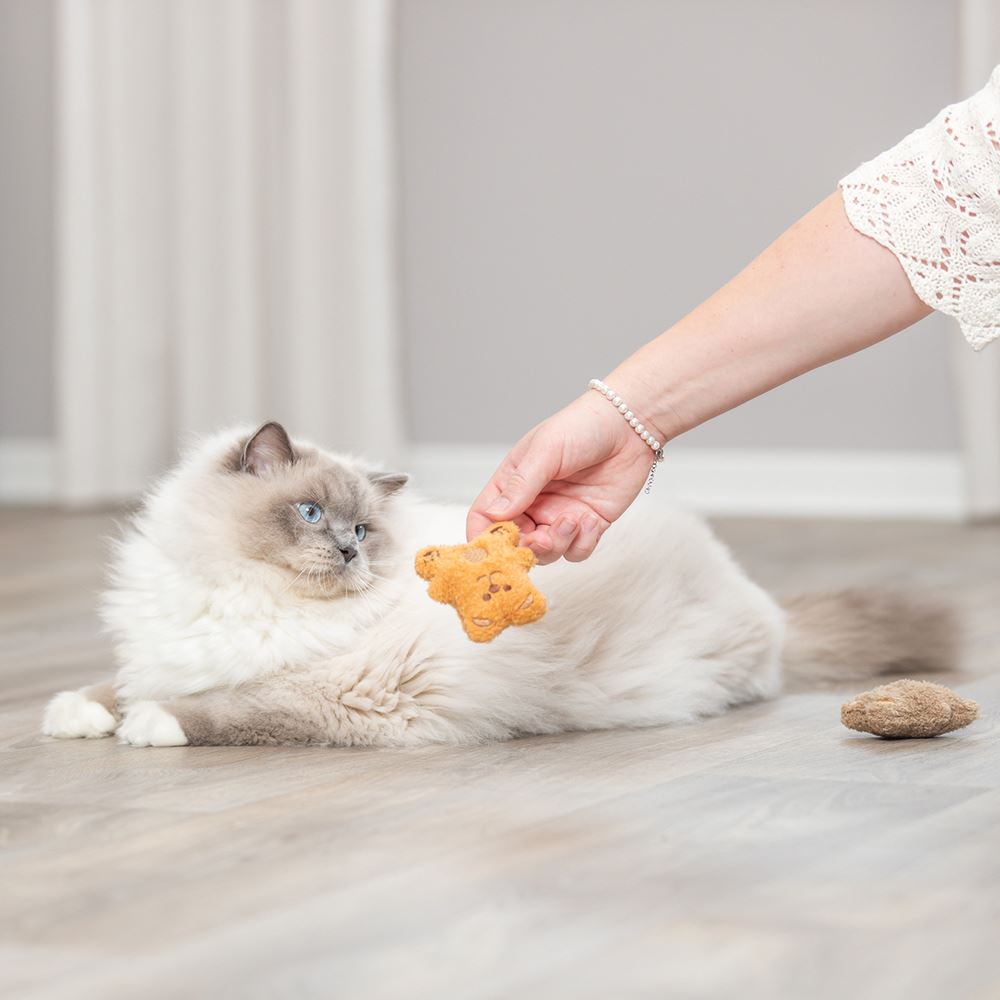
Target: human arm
(821, 291)
(917, 227)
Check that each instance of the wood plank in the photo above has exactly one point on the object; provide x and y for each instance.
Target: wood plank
(769, 852)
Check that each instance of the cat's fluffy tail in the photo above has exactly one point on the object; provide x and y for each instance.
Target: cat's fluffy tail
(860, 633)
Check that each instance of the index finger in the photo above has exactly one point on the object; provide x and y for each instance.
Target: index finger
(475, 524)
(478, 520)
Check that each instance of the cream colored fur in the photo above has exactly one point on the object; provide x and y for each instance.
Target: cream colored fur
(216, 646)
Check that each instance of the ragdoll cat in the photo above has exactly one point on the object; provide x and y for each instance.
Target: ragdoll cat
(265, 593)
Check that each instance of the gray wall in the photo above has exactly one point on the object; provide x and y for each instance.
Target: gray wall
(576, 174)
(26, 238)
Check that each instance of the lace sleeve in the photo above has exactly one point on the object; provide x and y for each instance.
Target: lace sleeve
(934, 201)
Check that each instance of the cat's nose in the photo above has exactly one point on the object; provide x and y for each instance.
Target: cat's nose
(349, 553)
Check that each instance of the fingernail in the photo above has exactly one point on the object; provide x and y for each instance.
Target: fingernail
(498, 506)
(590, 523)
(565, 527)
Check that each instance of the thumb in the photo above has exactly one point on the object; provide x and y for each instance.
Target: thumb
(521, 482)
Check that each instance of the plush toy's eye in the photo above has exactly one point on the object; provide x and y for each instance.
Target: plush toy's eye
(360, 530)
(310, 512)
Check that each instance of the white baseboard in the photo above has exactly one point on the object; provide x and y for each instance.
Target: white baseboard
(27, 470)
(719, 481)
(751, 482)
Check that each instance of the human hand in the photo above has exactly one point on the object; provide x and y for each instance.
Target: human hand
(566, 481)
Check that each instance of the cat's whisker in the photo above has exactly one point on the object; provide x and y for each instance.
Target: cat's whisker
(295, 581)
(362, 592)
(366, 590)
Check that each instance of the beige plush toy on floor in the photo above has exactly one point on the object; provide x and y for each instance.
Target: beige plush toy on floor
(907, 709)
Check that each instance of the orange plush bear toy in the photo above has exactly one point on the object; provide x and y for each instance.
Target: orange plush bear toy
(486, 581)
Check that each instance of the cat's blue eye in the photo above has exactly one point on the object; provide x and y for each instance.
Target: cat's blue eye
(310, 512)
(360, 530)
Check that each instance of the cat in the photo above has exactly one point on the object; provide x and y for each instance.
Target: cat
(265, 594)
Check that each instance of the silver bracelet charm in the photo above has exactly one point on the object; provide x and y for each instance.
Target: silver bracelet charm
(634, 422)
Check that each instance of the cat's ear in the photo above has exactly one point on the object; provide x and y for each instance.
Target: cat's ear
(268, 449)
(388, 483)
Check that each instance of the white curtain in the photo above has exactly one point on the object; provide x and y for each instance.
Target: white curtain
(978, 375)
(224, 230)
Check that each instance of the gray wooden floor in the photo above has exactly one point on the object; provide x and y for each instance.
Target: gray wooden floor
(769, 853)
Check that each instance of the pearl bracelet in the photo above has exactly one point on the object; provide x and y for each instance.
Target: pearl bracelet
(633, 420)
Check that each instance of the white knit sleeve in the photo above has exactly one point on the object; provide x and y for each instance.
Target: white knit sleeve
(934, 201)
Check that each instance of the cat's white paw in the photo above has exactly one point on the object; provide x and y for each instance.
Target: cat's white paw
(72, 715)
(148, 724)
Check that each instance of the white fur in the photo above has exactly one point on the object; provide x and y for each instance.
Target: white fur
(71, 715)
(188, 616)
(146, 724)
(659, 626)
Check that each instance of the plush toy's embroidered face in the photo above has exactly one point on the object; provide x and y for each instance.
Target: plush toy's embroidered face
(486, 581)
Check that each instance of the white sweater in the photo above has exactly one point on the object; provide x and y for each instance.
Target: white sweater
(934, 201)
